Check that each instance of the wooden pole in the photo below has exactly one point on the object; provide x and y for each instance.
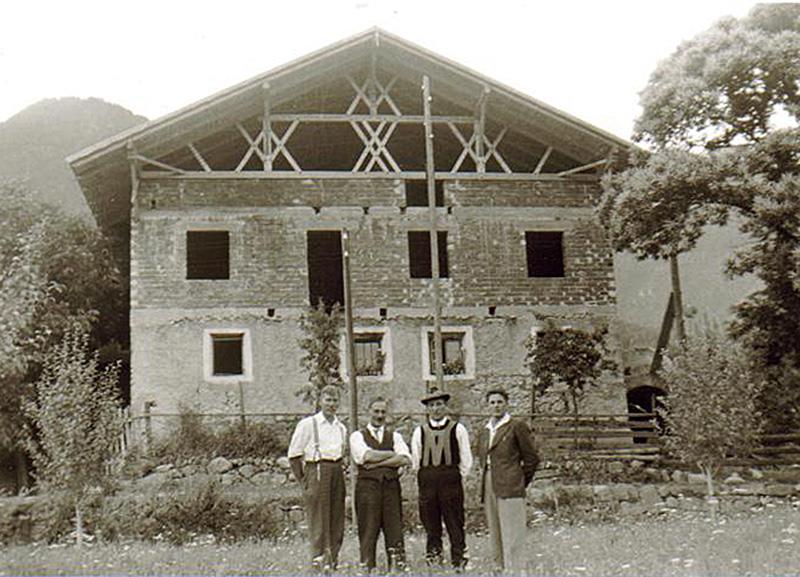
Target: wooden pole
(266, 128)
(677, 296)
(350, 356)
(430, 171)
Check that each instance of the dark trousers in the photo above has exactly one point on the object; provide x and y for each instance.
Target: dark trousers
(441, 498)
(323, 492)
(379, 508)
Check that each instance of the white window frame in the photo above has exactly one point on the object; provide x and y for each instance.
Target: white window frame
(208, 356)
(386, 349)
(467, 344)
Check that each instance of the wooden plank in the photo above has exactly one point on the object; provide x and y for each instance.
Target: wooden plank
(266, 128)
(583, 168)
(663, 335)
(543, 160)
(157, 163)
(340, 174)
(403, 118)
(199, 158)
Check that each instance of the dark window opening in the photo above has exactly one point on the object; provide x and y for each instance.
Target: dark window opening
(453, 358)
(419, 254)
(644, 403)
(228, 354)
(417, 192)
(207, 254)
(545, 252)
(368, 354)
(325, 280)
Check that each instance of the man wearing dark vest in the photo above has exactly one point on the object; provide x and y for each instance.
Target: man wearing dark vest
(441, 454)
(316, 452)
(508, 461)
(379, 453)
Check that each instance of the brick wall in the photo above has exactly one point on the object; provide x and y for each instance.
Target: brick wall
(268, 221)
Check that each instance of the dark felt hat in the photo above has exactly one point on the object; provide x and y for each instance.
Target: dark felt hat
(433, 395)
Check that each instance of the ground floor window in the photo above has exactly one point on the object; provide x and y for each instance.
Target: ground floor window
(227, 355)
(458, 353)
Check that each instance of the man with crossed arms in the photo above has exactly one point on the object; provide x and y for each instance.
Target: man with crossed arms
(379, 453)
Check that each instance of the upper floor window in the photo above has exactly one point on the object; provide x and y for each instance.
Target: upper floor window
(545, 253)
(417, 193)
(207, 254)
(419, 254)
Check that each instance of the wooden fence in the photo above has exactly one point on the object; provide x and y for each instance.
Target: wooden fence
(622, 437)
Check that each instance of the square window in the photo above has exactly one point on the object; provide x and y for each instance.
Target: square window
(227, 357)
(227, 354)
(453, 357)
(417, 192)
(419, 254)
(458, 353)
(369, 356)
(207, 254)
(545, 253)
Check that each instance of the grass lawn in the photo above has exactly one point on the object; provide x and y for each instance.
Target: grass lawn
(759, 543)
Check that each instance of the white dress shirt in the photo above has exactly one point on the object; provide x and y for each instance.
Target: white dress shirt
(464, 451)
(493, 430)
(359, 447)
(332, 437)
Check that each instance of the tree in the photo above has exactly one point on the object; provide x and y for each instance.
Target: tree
(57, 270)
(572, 357)
(322, 330)
(73, 421)
(710, 410)
(710, 111)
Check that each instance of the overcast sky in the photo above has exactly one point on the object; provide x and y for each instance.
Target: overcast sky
(589, 59)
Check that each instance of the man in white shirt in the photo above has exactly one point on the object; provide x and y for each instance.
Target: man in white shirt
(316, 454)
(441, 454)
(379, 453)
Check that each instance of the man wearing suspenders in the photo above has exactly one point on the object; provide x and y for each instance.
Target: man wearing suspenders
(379, 452)
(316, 454)
(441, 453)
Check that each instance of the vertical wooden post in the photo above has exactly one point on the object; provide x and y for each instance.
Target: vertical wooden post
(148, 427)
(480, 131)
(266, 128)
(430, 173)
(351, 368)
(242, 418)
(134, 167)
(677, 295)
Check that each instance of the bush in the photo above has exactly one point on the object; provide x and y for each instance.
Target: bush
(195, 441)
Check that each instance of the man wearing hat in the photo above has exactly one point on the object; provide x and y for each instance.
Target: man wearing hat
(508, 461)
(441, 454)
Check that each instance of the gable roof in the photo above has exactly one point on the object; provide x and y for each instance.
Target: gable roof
(102, 169)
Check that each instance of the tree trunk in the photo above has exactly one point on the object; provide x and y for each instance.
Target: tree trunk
(21, 468)
(711, 499)
(677, 295)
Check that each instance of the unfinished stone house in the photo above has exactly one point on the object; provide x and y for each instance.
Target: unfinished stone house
(235, 207)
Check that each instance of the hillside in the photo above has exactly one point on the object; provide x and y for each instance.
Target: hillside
(35, 141)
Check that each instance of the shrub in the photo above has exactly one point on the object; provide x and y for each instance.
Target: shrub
(195, 441)
(710, 411)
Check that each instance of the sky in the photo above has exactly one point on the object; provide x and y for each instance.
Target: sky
(590, 59)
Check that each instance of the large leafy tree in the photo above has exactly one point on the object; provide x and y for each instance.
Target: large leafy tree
(57, 271)
(711, 113)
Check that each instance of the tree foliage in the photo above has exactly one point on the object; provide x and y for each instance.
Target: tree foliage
(726, 85)
(711, 407)
(320, 343)
(710, 110)
(73, 421)
(571, 357)
(57, 270)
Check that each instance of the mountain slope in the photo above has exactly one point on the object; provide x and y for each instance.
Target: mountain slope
(35, 141)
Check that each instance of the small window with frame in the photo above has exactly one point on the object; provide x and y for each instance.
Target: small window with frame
(458, 353)
(227, 356)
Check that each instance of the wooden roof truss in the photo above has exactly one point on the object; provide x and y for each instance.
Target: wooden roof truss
(379, 104)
